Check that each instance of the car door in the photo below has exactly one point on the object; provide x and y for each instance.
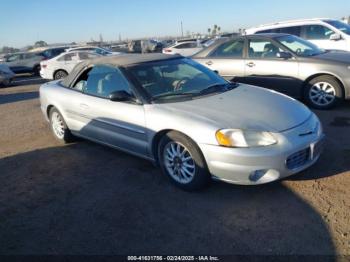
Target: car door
(263, 67)
(29, 61)
(227, 59)
(118, 124)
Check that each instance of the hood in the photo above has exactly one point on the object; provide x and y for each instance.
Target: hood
(335, 56)
(245, 107)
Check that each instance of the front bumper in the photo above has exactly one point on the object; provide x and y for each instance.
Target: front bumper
(251, 166)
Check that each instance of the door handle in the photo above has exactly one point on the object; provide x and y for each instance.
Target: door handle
(251, 64)
(209, 63)
(84, 106)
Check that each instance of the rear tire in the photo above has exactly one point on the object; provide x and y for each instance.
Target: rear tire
(59, 127)
(60, 74)
(323, 92)
(182, 162)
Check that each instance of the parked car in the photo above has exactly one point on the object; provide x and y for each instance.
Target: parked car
(6, 75)
(184, 117)
(25, 62)
(144, 46)
(61, 65)
(187, 48)
(325, 33)
(95, 49)
(285, 63)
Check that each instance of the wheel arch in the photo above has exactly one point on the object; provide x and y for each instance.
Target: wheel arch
(337, 78)
(155, 142)
(158, 136)
(50, 107)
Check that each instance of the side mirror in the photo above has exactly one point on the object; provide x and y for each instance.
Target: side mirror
(119, 96)
(335, 37)
(284, 55)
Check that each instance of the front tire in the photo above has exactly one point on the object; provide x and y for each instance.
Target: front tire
(182, 161)
(59, 127)
(323, 92)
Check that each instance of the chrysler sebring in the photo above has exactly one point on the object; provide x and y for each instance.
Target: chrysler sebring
(185, 118)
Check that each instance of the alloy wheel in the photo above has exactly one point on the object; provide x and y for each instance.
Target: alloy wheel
(178, 162)
(57, 125)
(322, 93)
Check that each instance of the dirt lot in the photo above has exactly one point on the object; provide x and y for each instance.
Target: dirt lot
(84, 198)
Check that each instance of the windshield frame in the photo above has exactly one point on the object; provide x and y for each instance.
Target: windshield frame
(177, 97)
(303, 41)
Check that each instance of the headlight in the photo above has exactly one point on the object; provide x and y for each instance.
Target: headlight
(244, 138)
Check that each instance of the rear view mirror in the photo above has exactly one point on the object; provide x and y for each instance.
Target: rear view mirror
(120, 96)
(335, 37)
(284, 55)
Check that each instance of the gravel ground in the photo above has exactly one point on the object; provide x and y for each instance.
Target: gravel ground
(84, 198)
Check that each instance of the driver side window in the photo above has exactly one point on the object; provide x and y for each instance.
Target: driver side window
(101, 81)
(13, 58)
(261, 48)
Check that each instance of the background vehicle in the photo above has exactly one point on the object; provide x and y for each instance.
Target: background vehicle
(144, 46)
(61, 65)
(95, 49)
(185, 117)
(325, 33)
(52, 52)
(186, 48)
(24, 62)
(6, 75)
(285, 63)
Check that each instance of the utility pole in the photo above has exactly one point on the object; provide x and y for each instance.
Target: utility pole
(182, 30)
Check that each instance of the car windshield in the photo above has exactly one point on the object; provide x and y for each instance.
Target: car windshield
(339, 25)
(299, 46)
(180, 78)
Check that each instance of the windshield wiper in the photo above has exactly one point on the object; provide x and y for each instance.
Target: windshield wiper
(218, 87)
(172, 94)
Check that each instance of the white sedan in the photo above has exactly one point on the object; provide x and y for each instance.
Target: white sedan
(183, 48)
(61, 65)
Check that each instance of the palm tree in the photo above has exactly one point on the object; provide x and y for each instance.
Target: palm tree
(219, 29)
(209, 30)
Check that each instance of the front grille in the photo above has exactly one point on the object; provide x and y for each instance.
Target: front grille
(298, 159)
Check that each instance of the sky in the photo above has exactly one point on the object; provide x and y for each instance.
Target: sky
(23, 22)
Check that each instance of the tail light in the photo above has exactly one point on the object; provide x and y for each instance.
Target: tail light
(167, 50)
(43, 66)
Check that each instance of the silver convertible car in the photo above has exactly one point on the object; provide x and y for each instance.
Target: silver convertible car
(185, 118)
